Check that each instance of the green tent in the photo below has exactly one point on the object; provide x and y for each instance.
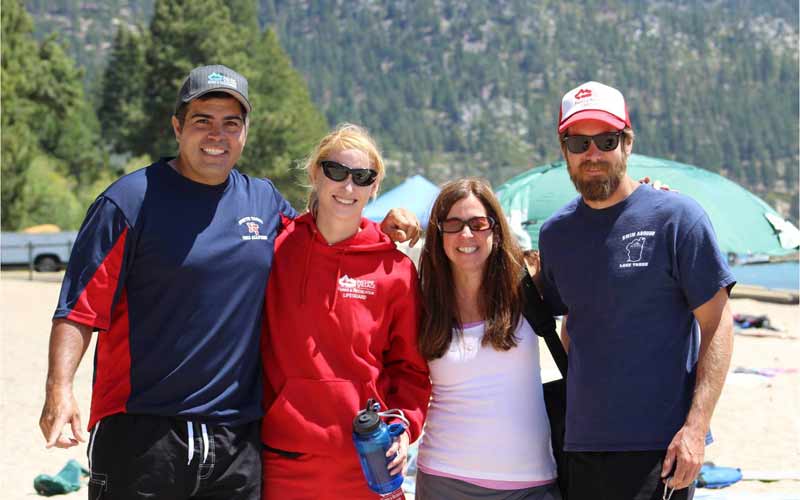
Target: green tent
(744, 223)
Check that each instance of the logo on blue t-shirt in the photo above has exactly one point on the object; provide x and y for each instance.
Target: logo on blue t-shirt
(634, 249)
(251, 228)
(635, 245)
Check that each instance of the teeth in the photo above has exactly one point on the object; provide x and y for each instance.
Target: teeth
(213, 151)
(344, 201)
(467, 249)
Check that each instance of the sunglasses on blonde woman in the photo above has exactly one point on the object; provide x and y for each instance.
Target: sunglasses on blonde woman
(337, 172)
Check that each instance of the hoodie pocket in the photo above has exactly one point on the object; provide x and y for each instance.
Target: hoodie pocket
(314, 416)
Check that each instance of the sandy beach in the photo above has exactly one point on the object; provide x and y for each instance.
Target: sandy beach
(756, 425)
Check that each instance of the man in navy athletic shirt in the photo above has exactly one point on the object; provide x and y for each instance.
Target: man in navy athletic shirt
(171, 265)
(649, 331)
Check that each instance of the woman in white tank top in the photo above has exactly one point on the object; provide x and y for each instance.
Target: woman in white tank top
(486, 435)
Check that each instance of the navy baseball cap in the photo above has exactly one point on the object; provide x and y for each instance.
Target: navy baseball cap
(215, 78)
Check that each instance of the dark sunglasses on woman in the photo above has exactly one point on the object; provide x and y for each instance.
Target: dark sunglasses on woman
(476, 224)
(607, 141)
(337, 172)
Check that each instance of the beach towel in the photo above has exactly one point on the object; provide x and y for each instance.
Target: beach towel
(66, 481)
(712, 476)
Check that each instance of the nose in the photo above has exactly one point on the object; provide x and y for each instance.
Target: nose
(468, 233)
(593, 151)
(215, 131)
(348, 184)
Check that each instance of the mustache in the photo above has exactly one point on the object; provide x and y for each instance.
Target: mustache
(594, 164)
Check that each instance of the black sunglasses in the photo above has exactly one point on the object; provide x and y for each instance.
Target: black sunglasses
(476, 224)
(335, 171)
(607, 141)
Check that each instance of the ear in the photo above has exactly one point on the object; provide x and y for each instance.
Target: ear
(627, 147)
(246, 129)
(373, 192)
(176, 128)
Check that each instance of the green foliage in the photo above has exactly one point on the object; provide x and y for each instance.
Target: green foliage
(472, 88)
(45, 119)
(183, 34)
(284, 125)
(19, 143)
(451, 87)
(48, 197)
(137, 105)
(121, 108)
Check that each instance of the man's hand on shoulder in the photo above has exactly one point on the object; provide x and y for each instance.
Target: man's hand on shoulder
(402, 225)
(657, 184)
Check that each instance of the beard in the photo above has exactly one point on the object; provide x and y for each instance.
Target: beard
(598, 188)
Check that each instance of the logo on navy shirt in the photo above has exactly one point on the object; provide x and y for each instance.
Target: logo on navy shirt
(251, 228)
(635, 245)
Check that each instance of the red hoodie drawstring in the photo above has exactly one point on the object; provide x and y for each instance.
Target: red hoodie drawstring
(338, 276)
(309, 248)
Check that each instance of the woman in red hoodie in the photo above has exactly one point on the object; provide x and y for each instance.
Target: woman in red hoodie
(342, 312)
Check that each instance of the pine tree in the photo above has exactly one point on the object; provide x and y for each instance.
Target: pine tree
(183, 34)
(45, 115)
(121, 111)
(284, 125)
(19, 143)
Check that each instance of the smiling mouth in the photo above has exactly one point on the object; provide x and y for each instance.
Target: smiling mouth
(213, 151)
(344, 201)
(467, 249)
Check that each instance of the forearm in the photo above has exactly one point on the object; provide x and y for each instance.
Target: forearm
(68, 343)
(410, 391)
(716, 349)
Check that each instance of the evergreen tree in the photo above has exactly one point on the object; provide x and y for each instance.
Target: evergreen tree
(44, 115)
(284, 125)
(121, 111)
(183, 34)
(19, 142)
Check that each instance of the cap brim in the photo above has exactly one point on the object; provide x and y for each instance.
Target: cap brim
(238, 96)
(593, 114)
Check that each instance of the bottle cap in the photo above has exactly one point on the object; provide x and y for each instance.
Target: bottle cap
(367, 420)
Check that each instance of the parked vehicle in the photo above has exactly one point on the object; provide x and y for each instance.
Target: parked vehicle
(47, 251)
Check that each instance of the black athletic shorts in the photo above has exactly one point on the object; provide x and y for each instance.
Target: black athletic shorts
(142, 456)
(619, 475)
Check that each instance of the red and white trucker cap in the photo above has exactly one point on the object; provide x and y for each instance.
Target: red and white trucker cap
(593, 101)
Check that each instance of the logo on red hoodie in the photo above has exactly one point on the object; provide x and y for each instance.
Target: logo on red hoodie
(356, 289)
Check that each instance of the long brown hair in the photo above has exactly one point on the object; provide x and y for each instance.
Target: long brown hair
(500, 294)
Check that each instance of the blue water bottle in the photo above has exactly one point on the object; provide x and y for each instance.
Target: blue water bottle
(373, 438)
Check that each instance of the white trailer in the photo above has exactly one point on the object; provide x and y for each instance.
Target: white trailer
(45, 251)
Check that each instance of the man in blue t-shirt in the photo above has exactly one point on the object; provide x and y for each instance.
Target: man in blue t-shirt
(170, 266)
(643, 288)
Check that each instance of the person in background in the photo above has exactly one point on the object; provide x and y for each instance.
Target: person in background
(342, 317)
(487, 434)
(648, 329)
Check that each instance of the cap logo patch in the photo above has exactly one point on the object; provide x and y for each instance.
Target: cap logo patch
(220, 79)
(583, 93)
